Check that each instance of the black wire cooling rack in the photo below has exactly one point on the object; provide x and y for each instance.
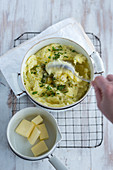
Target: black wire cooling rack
(81, 126)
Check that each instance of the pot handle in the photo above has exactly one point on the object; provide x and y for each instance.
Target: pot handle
(98, 63)
(57, 163)
(17, 90)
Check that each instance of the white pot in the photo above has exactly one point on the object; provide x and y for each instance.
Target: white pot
(21, 147)
(94, 60)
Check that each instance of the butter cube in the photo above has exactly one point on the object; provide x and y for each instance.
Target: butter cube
(39, 148)
(44, 134)
(33, 136)
(37, 120)
(24, 128)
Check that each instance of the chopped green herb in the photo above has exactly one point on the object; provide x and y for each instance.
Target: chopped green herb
(66, 56)
(60, 46)
(58, 93)
(52, 93)
(49, 50)
(60, 87)
(46, 95)
(73, 51)
(65, 91)
(34, 92)
(56, 49)
(37, 66)
(33, 72)
(44, 77)
(42, 94)
(61, 53)
(48, 88)
(41, 85)
(43, 80)
(53, 78)
(54, 85)
(49, 57)
(56, 56)
(46, 62)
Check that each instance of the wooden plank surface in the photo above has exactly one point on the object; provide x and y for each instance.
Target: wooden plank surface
(17, 17)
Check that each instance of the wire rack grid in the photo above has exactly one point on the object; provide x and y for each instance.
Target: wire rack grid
(81, 126)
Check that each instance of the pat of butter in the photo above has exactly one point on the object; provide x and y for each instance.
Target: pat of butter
(39, 148)
(24, 128)
(33, 136)
(37, 120)
(44, 134)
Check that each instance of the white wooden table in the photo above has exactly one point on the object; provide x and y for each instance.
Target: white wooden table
(20, 16)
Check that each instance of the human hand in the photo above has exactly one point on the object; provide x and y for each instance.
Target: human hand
(104, 95)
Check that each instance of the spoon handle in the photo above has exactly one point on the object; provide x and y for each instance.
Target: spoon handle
(89, 81)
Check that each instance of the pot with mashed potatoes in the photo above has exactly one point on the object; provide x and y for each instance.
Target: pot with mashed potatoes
(61, 89)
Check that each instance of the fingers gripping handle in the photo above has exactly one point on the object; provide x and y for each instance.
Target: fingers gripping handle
(57, 164)
(98, 62)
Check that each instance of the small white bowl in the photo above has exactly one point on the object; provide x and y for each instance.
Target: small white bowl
(20, 145)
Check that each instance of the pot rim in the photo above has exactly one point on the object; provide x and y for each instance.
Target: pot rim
(48, 107)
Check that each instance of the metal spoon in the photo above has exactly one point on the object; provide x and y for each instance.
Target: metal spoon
(63, 65)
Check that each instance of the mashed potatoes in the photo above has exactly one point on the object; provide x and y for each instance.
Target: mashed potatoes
(61, 88)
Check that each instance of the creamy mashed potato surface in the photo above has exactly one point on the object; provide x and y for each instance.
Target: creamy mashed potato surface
(60, 88)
